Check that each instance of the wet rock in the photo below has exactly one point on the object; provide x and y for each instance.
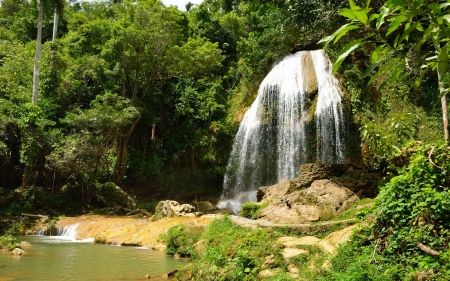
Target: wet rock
(205, 207)
(25, 244)
(18, 252)
(100, 238)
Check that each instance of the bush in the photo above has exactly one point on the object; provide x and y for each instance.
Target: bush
(180, 240)
(252, 210)
(8, 242)
(232, 253)
(412, 209)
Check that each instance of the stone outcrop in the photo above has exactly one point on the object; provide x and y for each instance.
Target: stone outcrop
(18, 252)
(359, 181)
(322, 200)
(168, 209)
(113, 195)
(205, 207)
(316, 171)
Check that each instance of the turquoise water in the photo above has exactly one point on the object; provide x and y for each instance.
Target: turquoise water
(52, 258)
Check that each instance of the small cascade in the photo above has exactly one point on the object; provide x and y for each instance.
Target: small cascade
(297, 117)
(68, 232)
(41, 232)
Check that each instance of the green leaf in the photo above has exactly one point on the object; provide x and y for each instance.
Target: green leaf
(443, 62)
(373, 16)
(343, 31)
(339, 33)
(347, 13)
(361, 15)
(446, 17)
(396, 23)
(383, 13)
(371, 68)
(347, 50)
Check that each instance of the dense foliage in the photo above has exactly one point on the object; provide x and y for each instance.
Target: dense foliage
(147, 97)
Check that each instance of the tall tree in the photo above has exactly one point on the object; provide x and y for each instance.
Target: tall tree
(417, 35)
(37, 61)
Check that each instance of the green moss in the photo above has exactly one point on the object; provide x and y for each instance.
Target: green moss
(252, 210)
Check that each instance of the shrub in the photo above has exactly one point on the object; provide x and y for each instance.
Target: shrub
(8, 242)
(180, 240)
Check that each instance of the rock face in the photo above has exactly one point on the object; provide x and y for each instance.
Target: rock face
(322, 200)
(168, 208)
(316, 171)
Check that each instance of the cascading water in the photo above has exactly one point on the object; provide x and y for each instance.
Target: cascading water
(331, 127)
(68, 232)
(276, 133)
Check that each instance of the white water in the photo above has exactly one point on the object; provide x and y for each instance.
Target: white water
(272, 140)
(330, 120)
(67, 233)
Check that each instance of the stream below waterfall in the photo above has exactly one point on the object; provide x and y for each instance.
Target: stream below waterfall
(61, 258)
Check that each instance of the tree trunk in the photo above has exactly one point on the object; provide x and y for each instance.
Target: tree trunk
(37, 61)
(26, 177)
(55, 25)
(444, 108)
(122, 150)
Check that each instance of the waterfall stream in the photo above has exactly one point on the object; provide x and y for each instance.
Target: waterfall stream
(281, 130)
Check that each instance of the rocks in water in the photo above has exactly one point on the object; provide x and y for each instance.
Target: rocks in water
(18, 252)
(168, 208)
(100, 238)
(25, 244)
(322, 200)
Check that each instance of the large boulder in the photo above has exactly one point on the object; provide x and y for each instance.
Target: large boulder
(168, 208)
(113, 195)
(316, 171)
(205, 207)
(18, 252)
(324, 199)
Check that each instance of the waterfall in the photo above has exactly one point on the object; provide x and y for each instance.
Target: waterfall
(330, 121)
(277, 132)
(68, 232)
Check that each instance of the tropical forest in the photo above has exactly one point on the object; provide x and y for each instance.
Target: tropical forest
(224, 140)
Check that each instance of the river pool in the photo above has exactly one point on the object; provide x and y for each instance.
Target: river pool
(56, 258)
